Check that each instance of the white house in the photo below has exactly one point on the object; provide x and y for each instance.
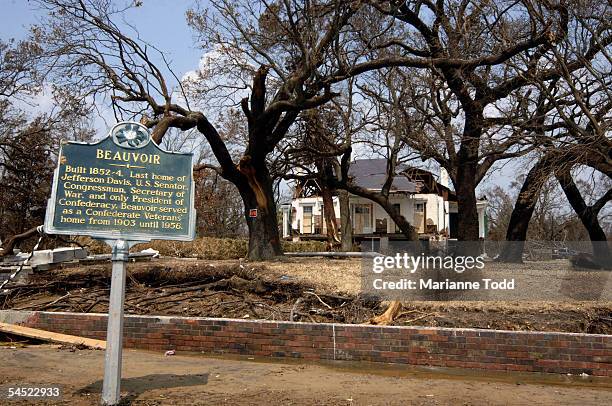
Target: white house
(427, 203)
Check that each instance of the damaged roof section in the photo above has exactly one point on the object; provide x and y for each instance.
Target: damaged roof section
(372, 173)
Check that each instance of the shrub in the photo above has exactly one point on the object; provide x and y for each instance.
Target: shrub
(203, 247)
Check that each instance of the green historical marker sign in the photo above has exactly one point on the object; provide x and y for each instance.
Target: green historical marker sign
(122, 187)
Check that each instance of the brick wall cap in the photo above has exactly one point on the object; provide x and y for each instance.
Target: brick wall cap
(548, 335)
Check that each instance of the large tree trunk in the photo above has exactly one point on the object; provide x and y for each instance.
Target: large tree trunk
(588, 216)
(325, 170)
(257, 193)
(345, 220)
(465, 181)
(404, 225)
(516, 234)
(329, 216)
(466, 178)
(467, 212)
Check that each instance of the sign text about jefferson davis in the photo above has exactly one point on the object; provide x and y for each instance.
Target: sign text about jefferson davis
(124, 186)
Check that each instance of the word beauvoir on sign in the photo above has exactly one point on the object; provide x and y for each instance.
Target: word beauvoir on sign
(123, 187)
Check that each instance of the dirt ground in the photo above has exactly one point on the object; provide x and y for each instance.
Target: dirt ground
(153, 379)
(303, 289)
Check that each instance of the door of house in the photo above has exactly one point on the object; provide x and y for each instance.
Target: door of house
(362, 218)
(307, 217)
(419, 217)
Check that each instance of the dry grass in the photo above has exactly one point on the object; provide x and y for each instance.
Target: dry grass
(330, 275)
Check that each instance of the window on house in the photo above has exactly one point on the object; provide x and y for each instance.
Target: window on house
(419, 208)
(381, 226)
(364, 211)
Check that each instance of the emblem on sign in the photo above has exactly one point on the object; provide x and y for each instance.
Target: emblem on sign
(130, 135)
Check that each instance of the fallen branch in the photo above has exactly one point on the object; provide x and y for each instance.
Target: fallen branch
(315, 295)
(402, 314)
(231, 283)
(55, 301)
(337, 297)
(312, 320)
(90, 307)
(43, 305)
(419, 318)
(172, 293)
(155, 302)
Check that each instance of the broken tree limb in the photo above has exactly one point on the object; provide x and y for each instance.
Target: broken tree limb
(389, 315)
(52, 337)
(294, 308)
(12, 242)
(191, 296)
(12, 276)
(44, 305)
(235, 282)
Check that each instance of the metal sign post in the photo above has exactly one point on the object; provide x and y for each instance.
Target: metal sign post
(125, 190)
(114, 334)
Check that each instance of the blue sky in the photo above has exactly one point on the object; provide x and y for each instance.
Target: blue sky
(160, 22)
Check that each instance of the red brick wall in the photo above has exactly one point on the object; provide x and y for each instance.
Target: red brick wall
(465, 348)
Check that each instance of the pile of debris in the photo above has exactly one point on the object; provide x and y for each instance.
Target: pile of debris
(21, 265)
(179, 287)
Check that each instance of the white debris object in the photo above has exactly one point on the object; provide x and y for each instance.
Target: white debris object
(151, 251)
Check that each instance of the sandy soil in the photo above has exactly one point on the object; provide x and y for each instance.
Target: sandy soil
(275, 290)
(152, 379)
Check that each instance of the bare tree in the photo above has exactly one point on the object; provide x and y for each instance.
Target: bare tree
(571, 124)
(385, 136)
(475, 57)
(219, 209)
(552, 218)
(28, 142)
(19, 75)
(285, 48)
(332, 132)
